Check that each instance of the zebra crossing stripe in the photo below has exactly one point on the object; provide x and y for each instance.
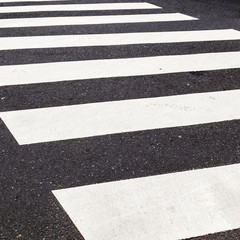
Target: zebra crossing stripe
(174, 206)
(106, 68)
(92, 20)
(13, 1)
(9, 43)
(95, 119)
(78, 7)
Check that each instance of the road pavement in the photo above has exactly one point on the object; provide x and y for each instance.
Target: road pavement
(120, 120)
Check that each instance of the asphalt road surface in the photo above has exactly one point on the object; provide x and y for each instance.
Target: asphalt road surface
(119, 120)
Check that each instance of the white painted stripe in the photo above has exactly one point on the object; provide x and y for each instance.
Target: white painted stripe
(9, 43)
(170, 207)
(78, 7)
(91, 20)
(12, 1)
(106, 68)
(95, 119)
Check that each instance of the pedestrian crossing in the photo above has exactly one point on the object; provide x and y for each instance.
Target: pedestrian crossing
(175, 205)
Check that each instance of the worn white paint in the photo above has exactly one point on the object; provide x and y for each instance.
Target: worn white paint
(9, 43)
(106, 68)
(78, 7)
(94, 119)
(91, 20)
(168, 207)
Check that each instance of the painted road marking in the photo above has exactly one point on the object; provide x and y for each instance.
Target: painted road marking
(78, 7)
(106, 68)
(95, 119)
(91, 20)
(174, 206)
(9, 43)
(13, 1)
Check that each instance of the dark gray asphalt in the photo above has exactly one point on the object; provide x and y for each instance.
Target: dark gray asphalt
(28, 173)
